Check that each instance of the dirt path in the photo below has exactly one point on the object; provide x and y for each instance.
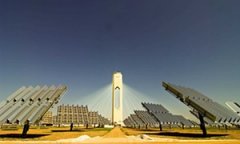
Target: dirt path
(115, 133)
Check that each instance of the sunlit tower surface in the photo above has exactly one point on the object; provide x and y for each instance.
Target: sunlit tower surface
(117, 101)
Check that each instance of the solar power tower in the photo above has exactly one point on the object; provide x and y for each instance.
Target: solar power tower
(29, 103)
(117, 99)
(201, 106)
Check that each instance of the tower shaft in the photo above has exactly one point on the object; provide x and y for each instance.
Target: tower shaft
(117, 94)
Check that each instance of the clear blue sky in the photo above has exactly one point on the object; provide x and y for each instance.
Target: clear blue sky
(81, 43)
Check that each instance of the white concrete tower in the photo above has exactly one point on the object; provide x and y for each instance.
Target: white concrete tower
(117, 93)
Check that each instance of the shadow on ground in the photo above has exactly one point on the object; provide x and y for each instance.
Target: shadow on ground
(190, 135)
(20, 136)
